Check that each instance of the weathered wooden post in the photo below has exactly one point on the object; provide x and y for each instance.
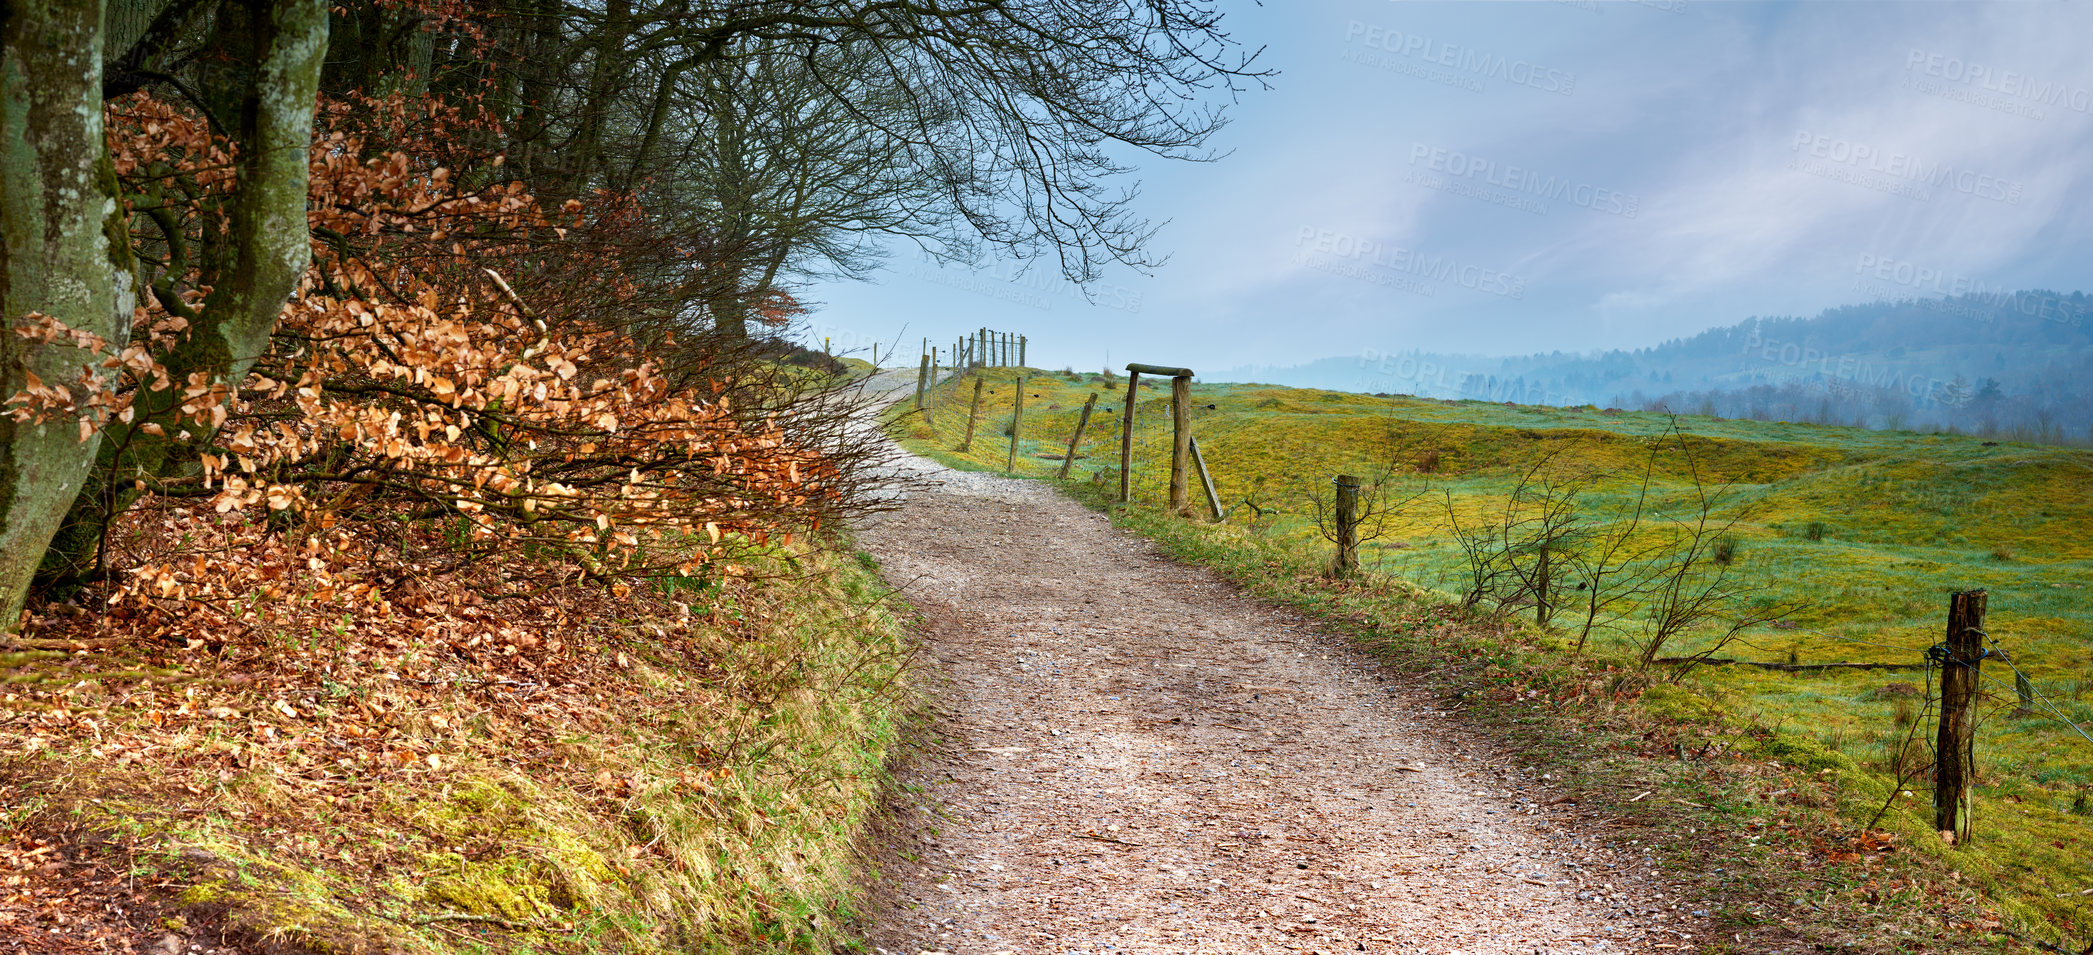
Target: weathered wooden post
(1181, 444)
(1017, 426)
(1347, 562)
(1077, 438)
(981, 339)
(1126, 436)
(1206, 480)
(922, 379)
(973, 414)
(1955, 752)
(1021, 351)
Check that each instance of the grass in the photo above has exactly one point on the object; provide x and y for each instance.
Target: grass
(1867, 532)
(692, 782)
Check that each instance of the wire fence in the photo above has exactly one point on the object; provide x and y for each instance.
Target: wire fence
(1994, 652)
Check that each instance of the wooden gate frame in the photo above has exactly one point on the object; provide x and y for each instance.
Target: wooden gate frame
(1181, 443)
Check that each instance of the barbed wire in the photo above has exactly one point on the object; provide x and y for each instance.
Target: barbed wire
(2057, 713)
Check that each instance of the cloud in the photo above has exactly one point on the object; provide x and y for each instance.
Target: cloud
(1768, 150)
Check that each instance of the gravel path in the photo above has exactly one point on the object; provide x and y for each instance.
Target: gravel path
(1133, 757)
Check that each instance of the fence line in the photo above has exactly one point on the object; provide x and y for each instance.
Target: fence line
(988, 348)
(2058, 713)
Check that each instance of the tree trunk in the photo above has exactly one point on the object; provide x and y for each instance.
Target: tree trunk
(657, 118)
(606, 71)
(269, 82)
(64, 252)
(124, 23)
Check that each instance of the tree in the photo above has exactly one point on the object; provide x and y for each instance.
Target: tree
(63, 256)
(70, 272)
(1002, 122)
(723, 151)
(789, 183)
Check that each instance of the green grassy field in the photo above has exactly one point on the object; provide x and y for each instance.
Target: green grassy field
(1857, 536)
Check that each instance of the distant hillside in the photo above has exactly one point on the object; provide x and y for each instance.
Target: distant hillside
(2018, 363)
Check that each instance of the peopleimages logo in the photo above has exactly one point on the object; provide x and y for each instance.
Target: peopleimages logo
(1393, 265)
(1850, 375)
(1961, 295)
(1010, 283)
(1461, 59)
(2009, 83)
(1525, 181)
(1918, 278)
(1865, 165)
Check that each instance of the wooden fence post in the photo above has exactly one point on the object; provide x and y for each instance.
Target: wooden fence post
(1126, 438)
(1960, 655)
(1180, 444)
(981, 347)
(1077, 438)
(1206, 480)
(1347, 562)
(1021, 351)
(1017, 426)
(973, 414)
(922, 379)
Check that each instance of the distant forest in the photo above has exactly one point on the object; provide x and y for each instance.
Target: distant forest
(2013, 365)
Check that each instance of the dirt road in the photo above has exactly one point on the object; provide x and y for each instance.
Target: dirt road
(1135, 758)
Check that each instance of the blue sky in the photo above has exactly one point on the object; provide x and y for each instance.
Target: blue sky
(1504, 178)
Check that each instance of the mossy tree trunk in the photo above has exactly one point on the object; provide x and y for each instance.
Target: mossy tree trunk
(64, 253)
(265, 88)
(124, 23)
